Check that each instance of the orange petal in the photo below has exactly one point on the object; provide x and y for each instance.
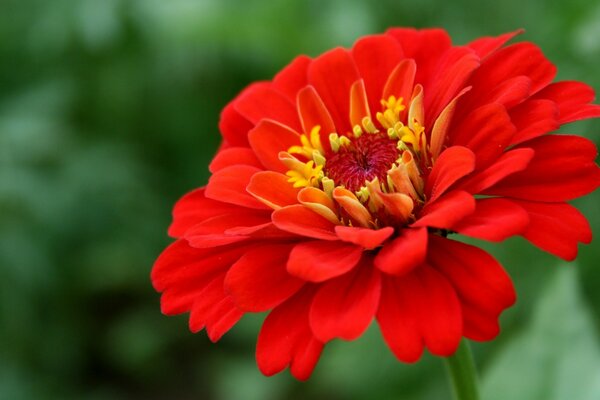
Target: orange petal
(416, 112)
(318, 201)
(359, 105)
(313, 112)
(401, 81)
(268, 138)
(398, 205)
(273, 189)
(441, 125)
(352, 206)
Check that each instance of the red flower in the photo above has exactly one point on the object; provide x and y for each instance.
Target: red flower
(338, 183)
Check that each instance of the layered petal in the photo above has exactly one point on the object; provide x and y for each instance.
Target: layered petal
(420, 310)
(555, 227)
(483, 287)
(269, 138)
(344, 307)
(495, 220)
(562, 169)
(229, 186)
(285, 339)
(301, 220)
(334, 92)
(259, 281)
(572, 100)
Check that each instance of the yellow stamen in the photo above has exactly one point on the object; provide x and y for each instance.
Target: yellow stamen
(392, 108)
(309, 145)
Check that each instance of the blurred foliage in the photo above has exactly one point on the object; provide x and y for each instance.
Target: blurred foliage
(108, 113)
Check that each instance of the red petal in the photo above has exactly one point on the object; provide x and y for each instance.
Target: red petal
(495, 220)
(510, 162)
(334, 91)
(520, 59)
(534, 118)
(572, 99)
(344, 307)
(562, 169)
(398, 318)
(261, 101)
(482, 285)
(319, 261)
(375, 57)
(214, 231)
(234, 126)
(312, 112)
(285, 339)
(425, 46)
(192, 280)
(454, 163)
(509, 93)
(194, 208)
(181, 264)
(488, 44)
(268, 138)
(229, 185)
(404, 253)
(234, 156)
(258, 281)
(273, 189)
(453, 70)
(214, 310)
(556, 228)
(302, 221)
(401, 82)
(487, 131)
(366, 238)
(446, 211)
(420, 309)
(292, 78)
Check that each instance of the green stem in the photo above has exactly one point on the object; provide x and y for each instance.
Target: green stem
(463, 374)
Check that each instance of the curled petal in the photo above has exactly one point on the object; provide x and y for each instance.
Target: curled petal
(319, 202)
(352, 206)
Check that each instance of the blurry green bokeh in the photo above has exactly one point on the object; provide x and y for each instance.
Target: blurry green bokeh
(109, 112)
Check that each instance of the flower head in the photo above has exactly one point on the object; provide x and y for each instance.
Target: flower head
(341, 185)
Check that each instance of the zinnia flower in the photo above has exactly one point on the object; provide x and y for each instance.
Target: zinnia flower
(341, 186)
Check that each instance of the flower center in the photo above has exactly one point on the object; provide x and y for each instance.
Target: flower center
(367, 157)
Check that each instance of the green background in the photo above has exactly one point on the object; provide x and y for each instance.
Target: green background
(109, 112)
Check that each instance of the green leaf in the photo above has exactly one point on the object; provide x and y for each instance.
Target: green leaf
(556, 356)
